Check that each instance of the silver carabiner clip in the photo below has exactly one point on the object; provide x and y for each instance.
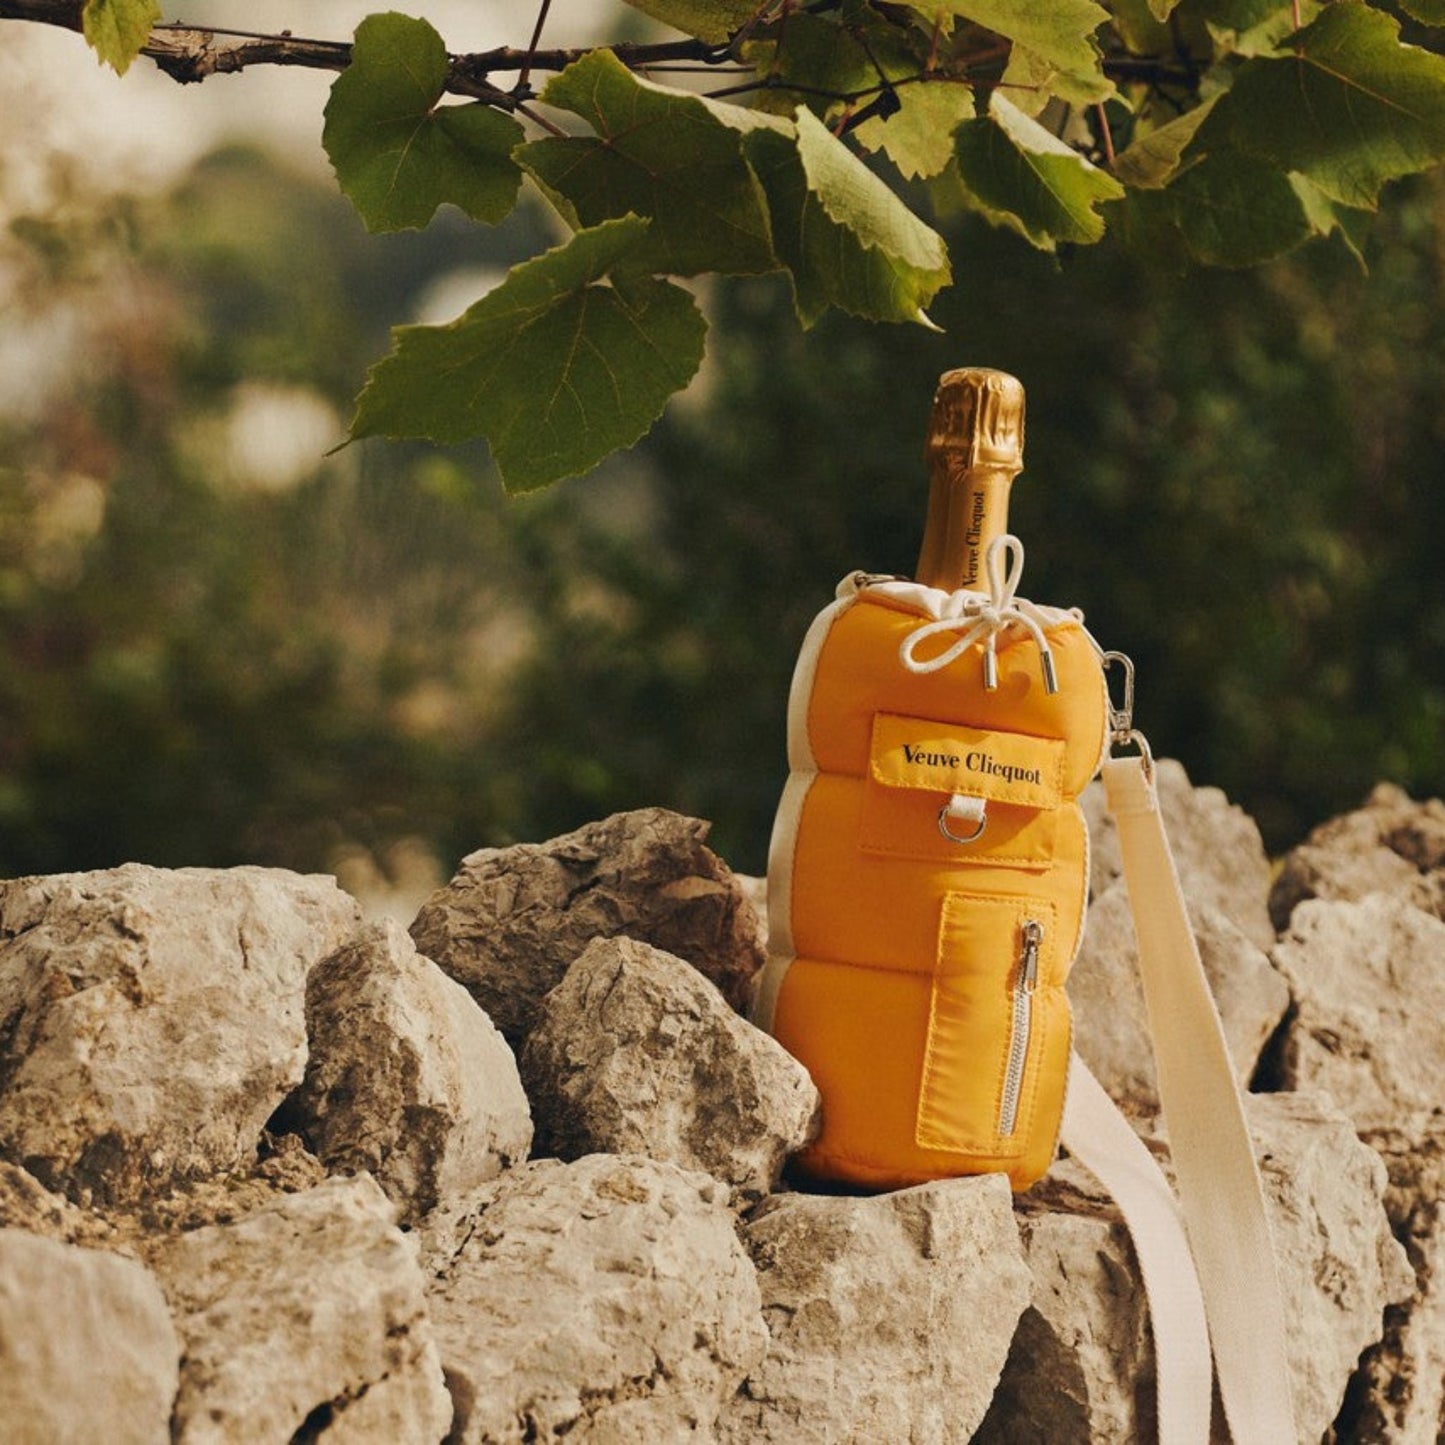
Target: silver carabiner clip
(1122, 731)
(1121, 719)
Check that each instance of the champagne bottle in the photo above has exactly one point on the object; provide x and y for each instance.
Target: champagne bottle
(975, 449)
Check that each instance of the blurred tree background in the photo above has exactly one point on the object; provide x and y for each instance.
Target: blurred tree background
(222, 645)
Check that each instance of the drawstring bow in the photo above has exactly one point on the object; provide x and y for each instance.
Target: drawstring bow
(975, 618)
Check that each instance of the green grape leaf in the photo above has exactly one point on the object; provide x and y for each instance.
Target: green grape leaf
(918, 137)
(659, 153)
(117, 29)
(1328, 218)
(1152, 159)
(1135, 23)
(1161, 10)
(1427, 12)
(1020, 175)
(1256, 27)
(714, 21)
(1235, 211)
(398, 154)
(1027, 79)
(827, 60)
(1059, 34)
(846, 238)
(1350, 107)
(554, 367)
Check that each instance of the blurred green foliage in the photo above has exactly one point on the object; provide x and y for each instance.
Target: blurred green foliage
(1237, 476)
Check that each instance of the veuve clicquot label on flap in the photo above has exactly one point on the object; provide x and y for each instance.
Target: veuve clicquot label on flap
(940, 757)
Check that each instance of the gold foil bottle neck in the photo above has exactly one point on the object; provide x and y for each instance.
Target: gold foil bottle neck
(980, 413)
(975, 449)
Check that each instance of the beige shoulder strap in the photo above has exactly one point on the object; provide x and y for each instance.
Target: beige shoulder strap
(1228, 1259)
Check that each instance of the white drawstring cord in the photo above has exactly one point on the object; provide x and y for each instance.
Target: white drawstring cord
(965, 611)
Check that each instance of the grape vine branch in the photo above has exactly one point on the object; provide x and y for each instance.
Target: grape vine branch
(820, 140)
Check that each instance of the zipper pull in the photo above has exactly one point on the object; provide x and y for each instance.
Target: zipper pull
(1033, 933)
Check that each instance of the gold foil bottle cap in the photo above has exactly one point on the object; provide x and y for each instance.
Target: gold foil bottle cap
(981, 413)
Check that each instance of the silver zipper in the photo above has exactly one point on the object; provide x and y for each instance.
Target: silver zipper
(1022, 1026)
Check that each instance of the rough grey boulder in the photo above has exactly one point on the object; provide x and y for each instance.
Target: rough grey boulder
(1217, 849)
(1111, 1029)
(407, 1078)
(1082, 1366)
(87, 1349)
(1369, 1029)
(1392, 845)
(635, 1052)
(890, 1317)
(512, 920)
(307, 1316)
(607, 1297)
(152, 1020)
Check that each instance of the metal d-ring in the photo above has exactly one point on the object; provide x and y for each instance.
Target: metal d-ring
(954, 837)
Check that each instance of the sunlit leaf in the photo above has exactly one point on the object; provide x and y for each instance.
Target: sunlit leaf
(397, 153)
(117, 29)
(1060, 34)
(711, 20)
(918, 137)
(1427, 12)
(1027, 79)
(1329, 218)
(1348, 105)
(1020, 175)
(555, 367)
(659, 153)
(1255, 27)
(847, 239)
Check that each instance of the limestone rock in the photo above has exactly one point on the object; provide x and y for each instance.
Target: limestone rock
(513, 919)
(1340, 1263)
(890, 1317)
(87, 1349)
(607, 1297)
(152, 1020)
(1392, 845)
(1369, 985)
(635, 1052)
(1217, 849)
(1081, 1368)
(1398, 1395)
(1111, 1029)
(407, 1077)
(284, 1166)
(25, 1203)
(307, 1315)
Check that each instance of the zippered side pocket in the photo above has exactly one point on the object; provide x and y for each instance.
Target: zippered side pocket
(996, 1014)
(1026, 980)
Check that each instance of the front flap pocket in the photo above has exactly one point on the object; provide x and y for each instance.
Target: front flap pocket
(916, 767)
(995, 1006)
(1000, 767)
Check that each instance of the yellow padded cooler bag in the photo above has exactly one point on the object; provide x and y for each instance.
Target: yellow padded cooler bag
(928, 875)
